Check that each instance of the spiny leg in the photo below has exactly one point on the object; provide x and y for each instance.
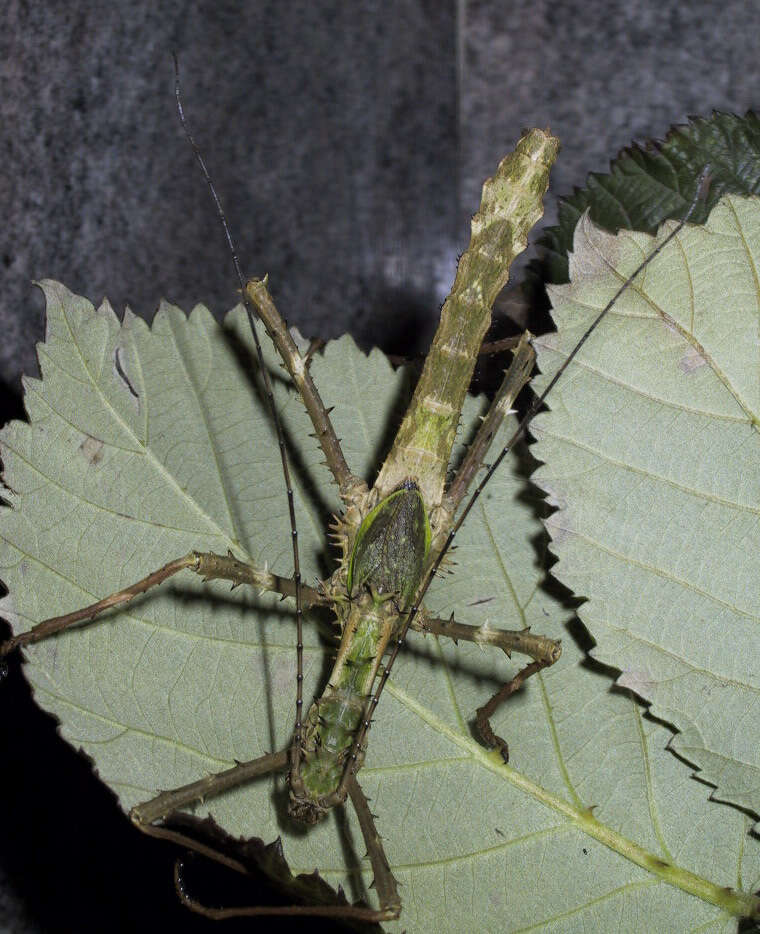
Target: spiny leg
(540, 648)
(483, 714)
(515, 378)
(144, 815)
(208, 565)
(350, 487)
(543, 650)
(164, 805)
(205, 837)
(385, 883)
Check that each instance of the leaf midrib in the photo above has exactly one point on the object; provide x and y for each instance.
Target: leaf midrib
(148, 452)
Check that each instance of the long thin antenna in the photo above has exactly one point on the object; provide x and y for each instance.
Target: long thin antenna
(270, 400)
(700, 193)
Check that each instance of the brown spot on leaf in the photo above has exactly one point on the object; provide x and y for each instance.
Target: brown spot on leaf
(92, 449)
(691, 360)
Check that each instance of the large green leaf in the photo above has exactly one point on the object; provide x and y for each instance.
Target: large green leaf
(144, 443)
(652, 453)
(648, 184)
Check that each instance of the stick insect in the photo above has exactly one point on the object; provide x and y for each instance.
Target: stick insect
(391, 540)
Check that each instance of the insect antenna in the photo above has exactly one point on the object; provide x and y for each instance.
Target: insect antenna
(700, 194)
(252, 314)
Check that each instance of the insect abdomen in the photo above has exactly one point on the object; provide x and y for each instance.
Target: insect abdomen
(384, 570)
(334, 718)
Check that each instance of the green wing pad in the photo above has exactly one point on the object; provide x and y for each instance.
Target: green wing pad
(391, 545)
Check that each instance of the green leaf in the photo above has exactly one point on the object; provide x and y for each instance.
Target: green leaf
(649, 184)
(144, 443)
(652, 452)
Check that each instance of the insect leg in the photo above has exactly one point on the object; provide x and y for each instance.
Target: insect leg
(208, 565)
(235, 858)
(188, 831)
(385, 883)
(515, 378)
(483, 714)
(349, 485)
(167, 802)
(543, 650)
(540, 648)
(245, 857)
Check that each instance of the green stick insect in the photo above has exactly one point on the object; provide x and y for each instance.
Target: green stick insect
(392, 541)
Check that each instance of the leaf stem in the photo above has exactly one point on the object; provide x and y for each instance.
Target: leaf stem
(739, 904)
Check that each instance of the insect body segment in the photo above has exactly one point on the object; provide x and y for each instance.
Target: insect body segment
(511, 205)
(332, 721)
(391, 546)
(385, 567)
